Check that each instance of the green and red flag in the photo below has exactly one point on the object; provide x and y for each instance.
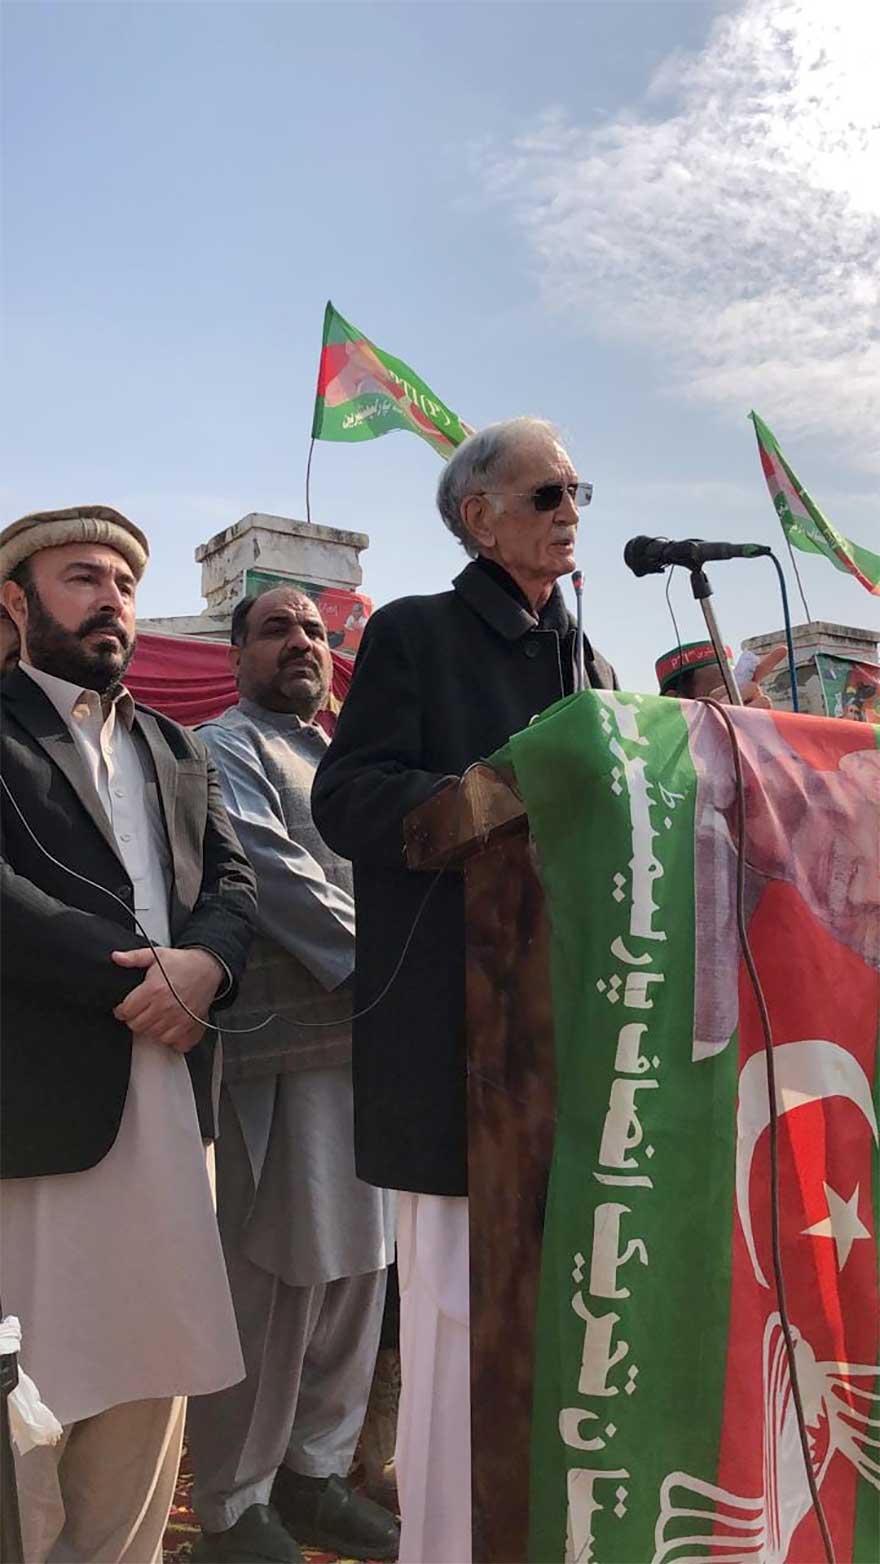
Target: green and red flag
(802, 521)
(664, 1426)
(364, 392)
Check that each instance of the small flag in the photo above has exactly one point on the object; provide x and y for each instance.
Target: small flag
(802, 521)
(364, 392)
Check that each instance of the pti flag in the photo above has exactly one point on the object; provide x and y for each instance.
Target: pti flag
(364, 392)
(664, 1426)
(802, 521)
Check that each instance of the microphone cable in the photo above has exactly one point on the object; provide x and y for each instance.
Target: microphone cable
(229, 1031)
(772, 1099)
(789, 642)
(792, 673)
(674, 620)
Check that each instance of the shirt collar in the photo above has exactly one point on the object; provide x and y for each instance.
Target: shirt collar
(65, 697)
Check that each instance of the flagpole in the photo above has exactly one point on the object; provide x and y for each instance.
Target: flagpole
(308, 480)
(797, 577)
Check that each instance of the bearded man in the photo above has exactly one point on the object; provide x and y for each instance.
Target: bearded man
(119, 870)
(441, 682)
(307, 1245)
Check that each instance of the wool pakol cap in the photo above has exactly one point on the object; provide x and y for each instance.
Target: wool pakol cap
(81, 524)
(696, 654)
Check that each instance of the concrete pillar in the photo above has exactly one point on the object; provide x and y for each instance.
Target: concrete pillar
(837, 670)
(277, 545)
(261, 551)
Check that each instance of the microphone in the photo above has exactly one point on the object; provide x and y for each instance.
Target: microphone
(651, 556)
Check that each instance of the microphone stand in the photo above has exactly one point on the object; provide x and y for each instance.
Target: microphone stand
(580, 678)
(702, 591)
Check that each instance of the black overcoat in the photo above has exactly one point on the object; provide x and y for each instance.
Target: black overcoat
(439, 682)
(65, 1058)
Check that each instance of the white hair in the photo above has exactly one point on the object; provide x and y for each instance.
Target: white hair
(480, 459)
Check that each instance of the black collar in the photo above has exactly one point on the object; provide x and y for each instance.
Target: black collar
(494, 595)
(36, 712)
(19, 688)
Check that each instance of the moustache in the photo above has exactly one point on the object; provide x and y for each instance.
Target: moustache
(299, 659)
(101, 622)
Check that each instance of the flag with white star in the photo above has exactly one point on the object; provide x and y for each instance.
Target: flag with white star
(680, 1324)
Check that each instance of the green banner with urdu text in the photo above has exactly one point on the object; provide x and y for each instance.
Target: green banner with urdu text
(663, 1421)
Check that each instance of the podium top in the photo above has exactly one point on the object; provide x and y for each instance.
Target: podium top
(463, 818)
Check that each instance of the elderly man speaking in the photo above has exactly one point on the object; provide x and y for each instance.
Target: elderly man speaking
(440, 682)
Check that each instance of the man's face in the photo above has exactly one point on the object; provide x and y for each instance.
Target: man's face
(285, 662)
(706, 681)
(697, 682)
(8, 643)
(538, 545)
(76, 616)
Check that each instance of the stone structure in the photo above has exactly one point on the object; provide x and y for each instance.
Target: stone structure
(833, 663)
(265, 546)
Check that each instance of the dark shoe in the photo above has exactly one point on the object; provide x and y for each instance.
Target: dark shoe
(257, 1536)
(327, 1513)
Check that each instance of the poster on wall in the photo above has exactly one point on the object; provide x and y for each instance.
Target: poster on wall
(849, 689)
(344, 613)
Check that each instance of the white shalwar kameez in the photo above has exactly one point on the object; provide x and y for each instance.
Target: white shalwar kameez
(116, 1273)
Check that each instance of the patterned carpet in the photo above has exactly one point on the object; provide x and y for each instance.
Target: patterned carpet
(183, 1527)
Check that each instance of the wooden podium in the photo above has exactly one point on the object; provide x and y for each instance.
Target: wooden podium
(479, 825)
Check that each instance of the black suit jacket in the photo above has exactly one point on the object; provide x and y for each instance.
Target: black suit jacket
(65, 1059)
(439, 682)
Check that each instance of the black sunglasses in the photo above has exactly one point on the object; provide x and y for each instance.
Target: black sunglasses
(549, 496)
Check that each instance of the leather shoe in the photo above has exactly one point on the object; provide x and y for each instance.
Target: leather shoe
(327, 1513)
(256, 1537)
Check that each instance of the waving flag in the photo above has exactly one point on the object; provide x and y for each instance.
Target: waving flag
(364, 392)
(664, 1425)
(802, 521)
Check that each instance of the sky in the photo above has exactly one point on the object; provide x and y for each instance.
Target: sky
(636, 218)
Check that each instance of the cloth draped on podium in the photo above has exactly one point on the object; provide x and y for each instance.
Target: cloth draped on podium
(664, 1424)
(191, 680)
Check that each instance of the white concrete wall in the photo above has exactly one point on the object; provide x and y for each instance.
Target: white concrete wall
(325, 555)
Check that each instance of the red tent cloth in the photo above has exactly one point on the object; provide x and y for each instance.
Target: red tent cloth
(191, 680)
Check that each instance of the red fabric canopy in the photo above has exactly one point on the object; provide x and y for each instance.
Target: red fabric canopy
(191, 680)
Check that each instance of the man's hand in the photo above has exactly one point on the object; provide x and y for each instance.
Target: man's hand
(151, 1008)
(751, 692)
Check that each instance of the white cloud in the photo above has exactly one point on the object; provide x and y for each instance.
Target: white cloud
(731, 221)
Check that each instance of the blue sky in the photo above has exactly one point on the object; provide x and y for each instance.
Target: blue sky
(636, 218)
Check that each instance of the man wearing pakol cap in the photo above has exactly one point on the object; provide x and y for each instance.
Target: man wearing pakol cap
(691, 671)
(117, 856)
